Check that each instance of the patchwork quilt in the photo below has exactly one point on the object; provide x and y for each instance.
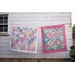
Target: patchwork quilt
(53, 38)
(24, 39)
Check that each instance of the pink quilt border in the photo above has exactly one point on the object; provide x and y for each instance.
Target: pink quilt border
(42, 34)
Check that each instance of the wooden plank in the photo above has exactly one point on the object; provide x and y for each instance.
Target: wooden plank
(15, 54)
(34, 60)
(3, 48)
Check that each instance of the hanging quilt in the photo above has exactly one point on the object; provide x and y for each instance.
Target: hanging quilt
(53, 38)
(24, 39)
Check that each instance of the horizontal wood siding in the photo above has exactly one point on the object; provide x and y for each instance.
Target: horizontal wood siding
(37, 19)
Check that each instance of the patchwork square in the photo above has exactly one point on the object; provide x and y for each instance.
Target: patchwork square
(53, 38)
(24, 39)
(49, 35)
(50, 43)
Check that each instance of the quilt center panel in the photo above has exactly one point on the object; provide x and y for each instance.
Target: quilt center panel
(53, 38)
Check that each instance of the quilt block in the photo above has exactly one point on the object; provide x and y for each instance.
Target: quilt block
(24, 39)
(53, 38)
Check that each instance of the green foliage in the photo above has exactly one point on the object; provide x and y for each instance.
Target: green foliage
(72, 52)
(72, 48)
(73, 32)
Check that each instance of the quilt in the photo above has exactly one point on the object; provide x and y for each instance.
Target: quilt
(24, 39)
(53, 38)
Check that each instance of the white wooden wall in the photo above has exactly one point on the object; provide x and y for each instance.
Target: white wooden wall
(37, 19)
